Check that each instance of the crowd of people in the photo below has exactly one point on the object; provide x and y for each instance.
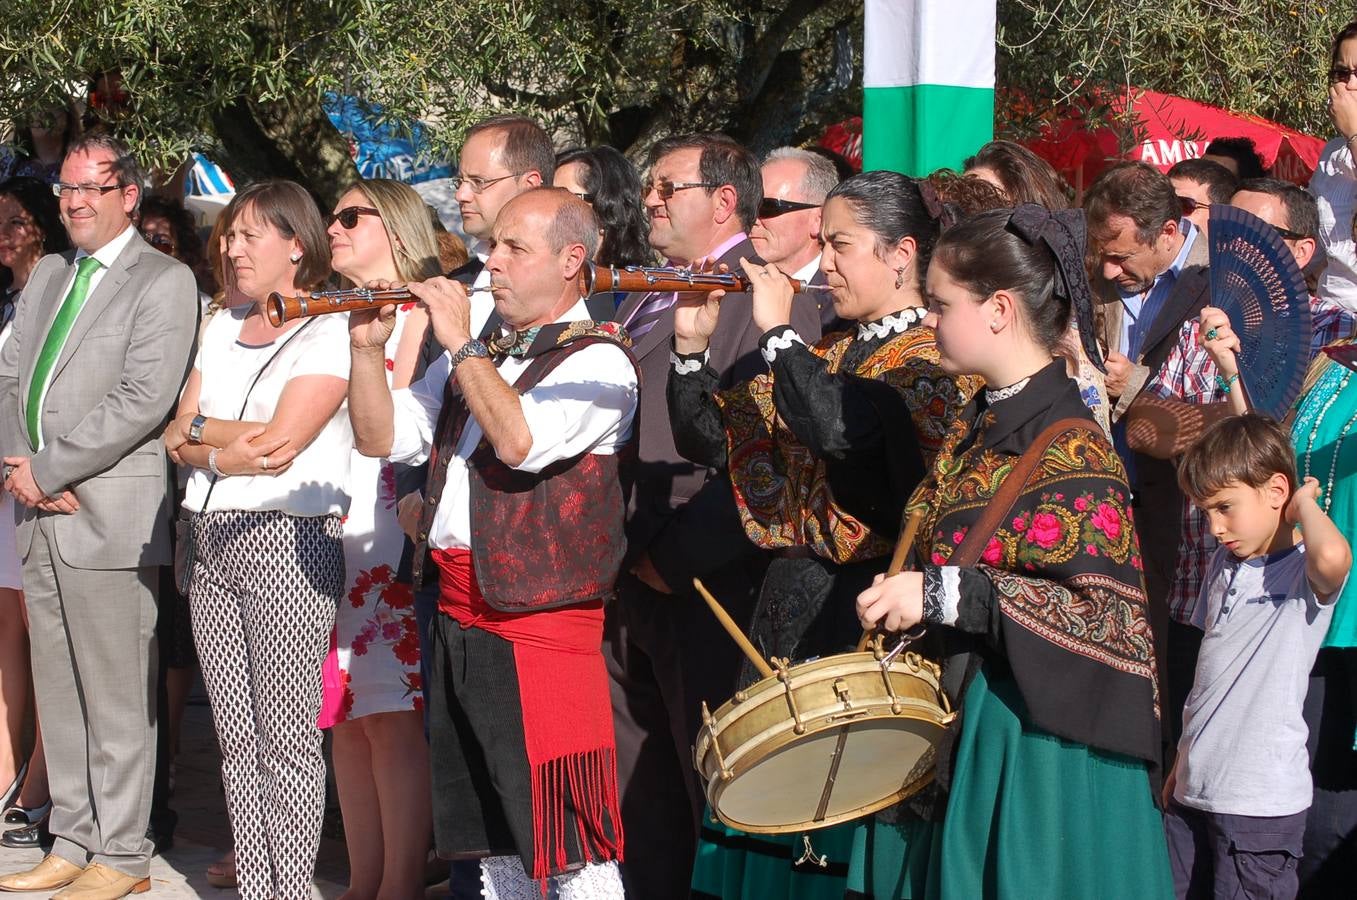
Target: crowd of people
(459, 532)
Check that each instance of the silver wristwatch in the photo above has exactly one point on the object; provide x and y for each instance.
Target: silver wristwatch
(471, 348)
(195, 428)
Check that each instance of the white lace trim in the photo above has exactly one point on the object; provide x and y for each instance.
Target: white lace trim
(993, 397)
(951, 593)
(503, 878)
(781, 341)
(687, 366)
(895, 323)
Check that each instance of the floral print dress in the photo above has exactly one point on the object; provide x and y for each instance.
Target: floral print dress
(376, 638)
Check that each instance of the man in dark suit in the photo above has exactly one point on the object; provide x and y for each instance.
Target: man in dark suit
(1151, 274)
(666, 654)
(786, 231)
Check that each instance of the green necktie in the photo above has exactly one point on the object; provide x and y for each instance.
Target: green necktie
(56, 340)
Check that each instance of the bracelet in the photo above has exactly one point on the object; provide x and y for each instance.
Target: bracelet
(212, 462)
(1225, 383)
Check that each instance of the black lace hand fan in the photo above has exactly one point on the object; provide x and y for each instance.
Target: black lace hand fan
(1256, 282)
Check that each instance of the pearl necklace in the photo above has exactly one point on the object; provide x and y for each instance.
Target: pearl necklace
(1327, 499)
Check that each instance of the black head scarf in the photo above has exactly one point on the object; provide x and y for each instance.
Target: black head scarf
(1064, 234)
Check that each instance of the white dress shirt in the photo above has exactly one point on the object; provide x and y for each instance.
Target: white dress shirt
(585, 405)
(482, 304)
(807, 272)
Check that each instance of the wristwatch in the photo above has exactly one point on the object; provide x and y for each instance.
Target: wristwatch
(195, 428)
(471, 348)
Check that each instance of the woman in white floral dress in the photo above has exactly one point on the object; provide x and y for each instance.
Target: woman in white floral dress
(380, 230)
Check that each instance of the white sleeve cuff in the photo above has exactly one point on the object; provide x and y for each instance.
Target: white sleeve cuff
(688, 365)
(779, 340)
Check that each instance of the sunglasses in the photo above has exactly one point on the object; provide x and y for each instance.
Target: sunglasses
(1340, 74)
(664, 188)
(1190, 206)
(1289, 234)
(772, 207)
(348, 216)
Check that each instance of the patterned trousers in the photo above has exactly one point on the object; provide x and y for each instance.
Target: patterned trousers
(263, 599)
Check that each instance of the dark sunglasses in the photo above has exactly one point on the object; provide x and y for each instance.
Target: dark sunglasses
(348, 216)
(1340, 74)
(772, 207)
(1289, 234)
(1190, 206)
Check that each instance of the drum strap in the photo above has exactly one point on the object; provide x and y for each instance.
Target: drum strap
(1003, 501)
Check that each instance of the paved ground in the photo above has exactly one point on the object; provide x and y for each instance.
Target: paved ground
(204, 832)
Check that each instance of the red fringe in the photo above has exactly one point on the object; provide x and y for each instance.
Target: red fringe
(590, 781)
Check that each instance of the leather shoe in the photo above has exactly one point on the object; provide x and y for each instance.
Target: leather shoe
(27, 837)
(99, 882)
(53, 872)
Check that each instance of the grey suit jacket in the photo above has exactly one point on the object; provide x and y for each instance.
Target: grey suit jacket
(683, 518)
(120, 372)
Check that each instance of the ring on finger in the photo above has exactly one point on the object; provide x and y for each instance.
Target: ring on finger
(1212, 334)
(265, 462)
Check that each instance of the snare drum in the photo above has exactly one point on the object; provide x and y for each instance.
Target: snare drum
(823, 742)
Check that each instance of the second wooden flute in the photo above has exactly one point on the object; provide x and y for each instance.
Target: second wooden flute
(593, 279)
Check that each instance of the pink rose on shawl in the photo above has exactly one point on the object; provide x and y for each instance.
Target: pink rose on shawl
(939, 559)
(994, 552)
(1045, 530)
(1107, 519)
(1092, 550)
(1020, 524)
(958, 536)
(1081, 503)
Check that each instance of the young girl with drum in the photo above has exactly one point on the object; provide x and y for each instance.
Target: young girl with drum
(1028, 573)
(823, 451)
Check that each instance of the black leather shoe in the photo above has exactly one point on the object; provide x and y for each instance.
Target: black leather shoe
(28, 837)
(27, 815)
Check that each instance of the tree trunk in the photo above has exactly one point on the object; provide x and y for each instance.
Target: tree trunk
(291, 139)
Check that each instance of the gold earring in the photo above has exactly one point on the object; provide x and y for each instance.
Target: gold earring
(899, 277)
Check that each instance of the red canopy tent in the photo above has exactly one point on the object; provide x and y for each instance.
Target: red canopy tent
(1168, 130)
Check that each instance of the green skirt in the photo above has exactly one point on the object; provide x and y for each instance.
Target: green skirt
(734, 865)
(1029, 815)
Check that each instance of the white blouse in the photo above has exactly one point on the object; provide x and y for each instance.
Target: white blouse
(1334, 186)
(318, 482)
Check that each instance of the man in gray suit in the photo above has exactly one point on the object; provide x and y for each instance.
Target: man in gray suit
(101, 344)
(666, 654)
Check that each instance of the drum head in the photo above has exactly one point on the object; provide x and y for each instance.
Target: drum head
(880, 758)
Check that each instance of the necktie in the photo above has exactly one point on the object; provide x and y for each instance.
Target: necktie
(56, 340)
(648, 314)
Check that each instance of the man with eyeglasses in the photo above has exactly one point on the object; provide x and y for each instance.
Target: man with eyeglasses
(100, 348)
(787, 229)
(666, 653)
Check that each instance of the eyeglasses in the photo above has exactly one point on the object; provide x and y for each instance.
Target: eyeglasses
(665, 188)
(348, 216)
(1340, 74)
(159, 241)
(587, 198)
(1190, 206)
(772, 207)
(478, 185)
(84, 190)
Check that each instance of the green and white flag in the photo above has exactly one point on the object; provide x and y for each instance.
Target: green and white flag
(929, 83)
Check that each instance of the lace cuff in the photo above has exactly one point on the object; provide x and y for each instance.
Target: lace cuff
(688, 363)
(942, 593)
(777, 339)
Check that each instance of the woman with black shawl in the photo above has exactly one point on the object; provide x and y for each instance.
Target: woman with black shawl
(1037, 609)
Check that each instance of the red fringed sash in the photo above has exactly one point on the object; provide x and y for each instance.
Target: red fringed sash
(567, 713)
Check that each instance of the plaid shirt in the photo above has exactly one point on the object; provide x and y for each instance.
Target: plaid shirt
(1189, 375)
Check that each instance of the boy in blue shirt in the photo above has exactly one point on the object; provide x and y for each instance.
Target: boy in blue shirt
(1236, 798)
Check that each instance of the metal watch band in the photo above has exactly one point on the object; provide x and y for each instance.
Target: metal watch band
(471, 348)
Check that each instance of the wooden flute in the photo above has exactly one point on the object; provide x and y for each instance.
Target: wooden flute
(593, 279)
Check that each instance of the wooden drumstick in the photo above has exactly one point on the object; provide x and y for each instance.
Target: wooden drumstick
(903, 548)
(734, 631)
